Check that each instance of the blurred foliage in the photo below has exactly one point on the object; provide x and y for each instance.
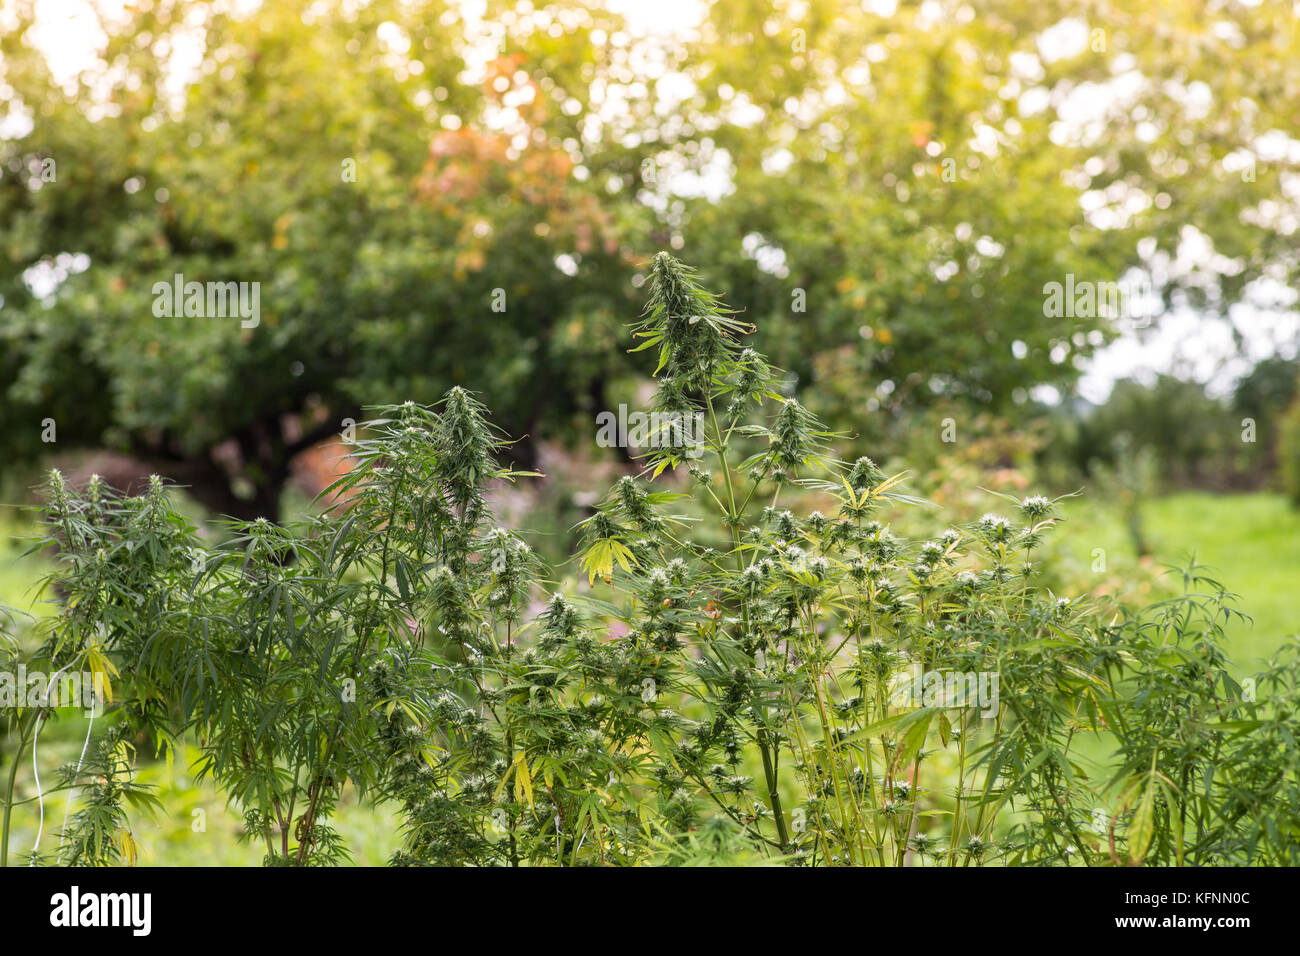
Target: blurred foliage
(1195, 438)
(1265, 394)
(911, 180)
(1290, 453)
(1174, 419)
(898, 171)
(1125, 483)
(380, 286)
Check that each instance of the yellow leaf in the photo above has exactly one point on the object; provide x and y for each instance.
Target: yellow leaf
(890, 482)
(600, 557)
(523, 780)
(598, 561)
(129, 850)
(622, 554)
(100, 668)
(1142, 827)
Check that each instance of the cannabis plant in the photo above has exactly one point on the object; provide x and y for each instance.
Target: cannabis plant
(755, 665)
(906, 701)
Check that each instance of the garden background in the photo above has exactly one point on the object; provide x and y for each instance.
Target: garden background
(437, 194)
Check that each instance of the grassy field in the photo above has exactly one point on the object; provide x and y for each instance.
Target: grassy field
(1251, 541)
(17, 574)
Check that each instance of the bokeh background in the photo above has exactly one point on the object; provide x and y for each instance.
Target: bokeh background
(431, 194)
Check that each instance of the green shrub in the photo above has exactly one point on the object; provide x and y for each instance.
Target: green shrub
(744, 679)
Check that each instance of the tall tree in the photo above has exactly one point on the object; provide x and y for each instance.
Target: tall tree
(887, 188)
(406, 196)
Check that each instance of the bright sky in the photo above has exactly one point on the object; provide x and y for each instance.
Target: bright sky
(1184, 342)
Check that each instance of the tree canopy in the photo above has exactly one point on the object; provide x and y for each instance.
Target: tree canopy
(430, 196)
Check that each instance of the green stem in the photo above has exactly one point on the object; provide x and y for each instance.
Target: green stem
(961, 783)
(510, 753)
(23, 737)
(770, 774)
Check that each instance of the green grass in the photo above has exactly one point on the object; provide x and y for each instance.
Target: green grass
(1251, 541)
(18, 574)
